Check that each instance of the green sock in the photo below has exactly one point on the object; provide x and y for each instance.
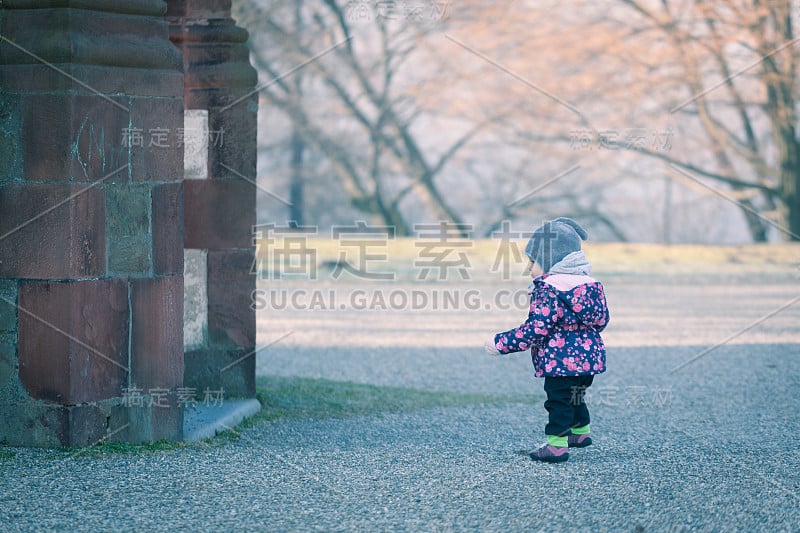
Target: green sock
(555, 440)
(583, 430)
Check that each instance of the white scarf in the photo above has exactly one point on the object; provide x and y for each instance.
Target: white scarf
(573, 263)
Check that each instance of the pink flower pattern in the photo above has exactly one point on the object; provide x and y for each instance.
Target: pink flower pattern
(562, 330)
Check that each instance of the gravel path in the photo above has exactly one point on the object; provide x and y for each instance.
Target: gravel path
(711, 446)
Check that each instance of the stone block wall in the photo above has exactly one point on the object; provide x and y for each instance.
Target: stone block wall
(91, 225)
(96, 218)
(220, 193)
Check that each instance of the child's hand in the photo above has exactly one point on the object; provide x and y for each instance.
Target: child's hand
(489, 346)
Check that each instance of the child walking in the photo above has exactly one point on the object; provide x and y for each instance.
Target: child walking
(567, 313)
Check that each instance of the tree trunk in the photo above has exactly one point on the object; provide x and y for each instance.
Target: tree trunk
(296, 185)
(781, 84)
(297, 143)
(789, 152)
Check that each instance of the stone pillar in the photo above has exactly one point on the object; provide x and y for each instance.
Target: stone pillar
(220, 196)
(91, 237)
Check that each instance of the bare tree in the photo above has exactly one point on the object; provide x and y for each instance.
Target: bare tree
(735, 61)
(378, 158)
(722, 74)
(457, 120)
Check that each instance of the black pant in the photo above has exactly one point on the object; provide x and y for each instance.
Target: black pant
(565, 403)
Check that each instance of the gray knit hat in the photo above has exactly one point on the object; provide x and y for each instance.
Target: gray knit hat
(553, 241)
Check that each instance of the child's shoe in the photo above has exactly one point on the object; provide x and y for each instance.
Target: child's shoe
(551, 454)
(579, 441)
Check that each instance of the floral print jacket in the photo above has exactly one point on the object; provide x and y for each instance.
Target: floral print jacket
(566, 316)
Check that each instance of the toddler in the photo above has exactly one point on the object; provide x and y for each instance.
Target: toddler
(567, 313)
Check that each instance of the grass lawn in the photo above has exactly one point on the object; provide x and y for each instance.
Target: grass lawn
(293, 397)
(485, 257)
(286, 398)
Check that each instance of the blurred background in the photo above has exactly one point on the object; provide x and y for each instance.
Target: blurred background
(649, 121)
